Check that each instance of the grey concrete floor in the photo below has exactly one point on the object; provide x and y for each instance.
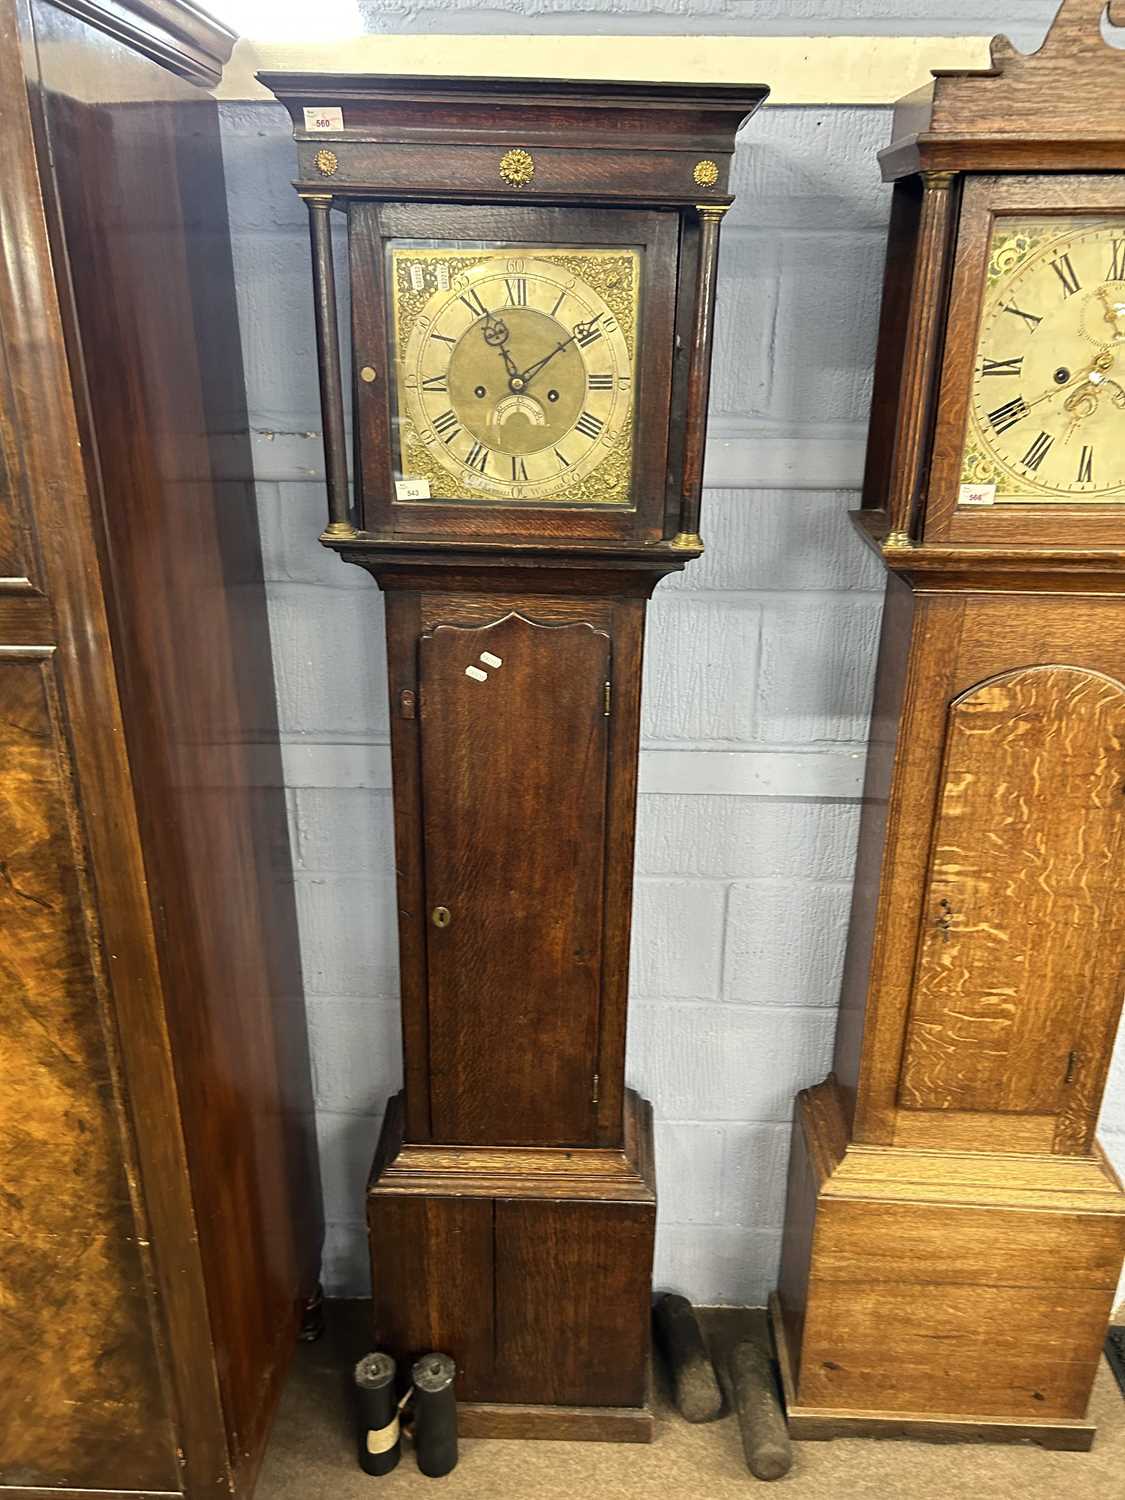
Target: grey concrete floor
(311, 1454)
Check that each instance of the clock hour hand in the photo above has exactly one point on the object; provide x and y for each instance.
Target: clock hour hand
(510, 366)
(1083, 401)
(494, 331)
(1094, 374)
(1080, 404)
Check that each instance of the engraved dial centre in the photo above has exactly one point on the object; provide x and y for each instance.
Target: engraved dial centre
(518, 413)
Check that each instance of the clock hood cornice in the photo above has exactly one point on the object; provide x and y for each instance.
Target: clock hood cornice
(1060, 109)
(375, 102)
(434, 139)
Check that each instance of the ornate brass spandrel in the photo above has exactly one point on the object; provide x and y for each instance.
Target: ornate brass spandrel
(1008, 251)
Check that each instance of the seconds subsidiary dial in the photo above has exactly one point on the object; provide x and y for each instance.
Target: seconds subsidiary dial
(515, 373)
(1047, 419)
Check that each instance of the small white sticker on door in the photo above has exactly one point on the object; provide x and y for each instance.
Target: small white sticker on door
(490, 660)
(327, 117)
(476, 674)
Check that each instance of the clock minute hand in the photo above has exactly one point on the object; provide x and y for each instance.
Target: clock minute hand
(533, 369)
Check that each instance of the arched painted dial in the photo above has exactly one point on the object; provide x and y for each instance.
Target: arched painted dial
(1047, 416)
(515, 373)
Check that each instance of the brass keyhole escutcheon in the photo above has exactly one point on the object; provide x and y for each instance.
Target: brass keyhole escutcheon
(368, 374)
(441, 916)
(944, 922)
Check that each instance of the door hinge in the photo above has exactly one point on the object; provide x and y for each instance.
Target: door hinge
(607, 699)
(1071, 1066)
(597, 1082)
(408, 703)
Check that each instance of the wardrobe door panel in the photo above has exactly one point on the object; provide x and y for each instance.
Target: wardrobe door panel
(83, 1399)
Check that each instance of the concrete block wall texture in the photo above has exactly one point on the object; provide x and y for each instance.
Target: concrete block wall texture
(1025, 21)
(759, 666)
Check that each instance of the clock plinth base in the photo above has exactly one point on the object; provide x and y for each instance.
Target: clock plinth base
(810, 1424)
(531, 1266)
(570, 1424)
(945, 1294)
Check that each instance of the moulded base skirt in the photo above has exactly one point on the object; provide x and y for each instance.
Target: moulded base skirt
(571, 1424)
(952, 1294)
(808, 1424)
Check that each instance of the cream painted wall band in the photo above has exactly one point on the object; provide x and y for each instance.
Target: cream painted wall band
(699, 772)
(855, 70)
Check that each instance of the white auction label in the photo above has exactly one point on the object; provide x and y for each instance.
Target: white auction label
(977, 494)
(412, 489)
(328, 117)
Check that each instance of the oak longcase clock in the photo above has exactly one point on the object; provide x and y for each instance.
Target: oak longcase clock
(954, 1234)
(532, 271)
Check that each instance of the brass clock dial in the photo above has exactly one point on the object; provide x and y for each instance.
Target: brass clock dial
(1047, 415)
(515, 373)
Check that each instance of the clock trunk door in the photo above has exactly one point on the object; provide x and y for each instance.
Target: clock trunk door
(514, 760)
(1018, 983)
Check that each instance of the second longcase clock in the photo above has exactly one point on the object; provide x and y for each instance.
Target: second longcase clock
(954, 1234)
(532, 274)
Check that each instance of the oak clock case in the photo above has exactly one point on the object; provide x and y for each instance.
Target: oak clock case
(531, 335)
(954, 1233)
